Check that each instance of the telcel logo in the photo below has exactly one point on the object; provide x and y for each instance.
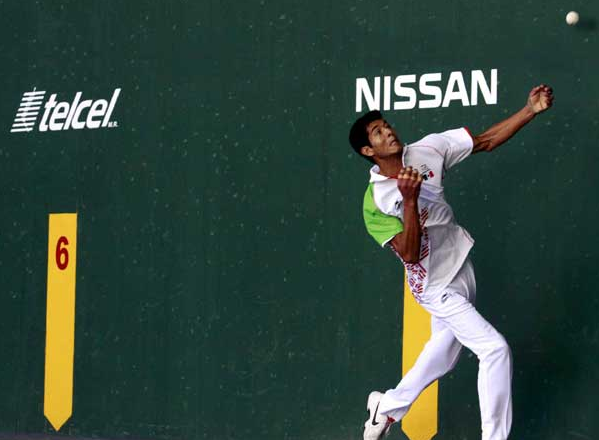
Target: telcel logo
(63, 115)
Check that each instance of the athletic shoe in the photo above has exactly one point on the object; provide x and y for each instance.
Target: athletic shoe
(377, 426)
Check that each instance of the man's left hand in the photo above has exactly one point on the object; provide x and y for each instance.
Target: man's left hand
(540, 98)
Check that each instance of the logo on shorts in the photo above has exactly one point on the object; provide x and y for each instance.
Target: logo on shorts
(445, 297)
(63, 115)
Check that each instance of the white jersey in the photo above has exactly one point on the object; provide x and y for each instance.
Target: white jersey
(444, 244)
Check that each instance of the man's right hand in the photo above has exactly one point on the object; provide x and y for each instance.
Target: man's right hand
(408, 183)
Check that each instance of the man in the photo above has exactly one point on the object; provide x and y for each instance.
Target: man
(405, 209)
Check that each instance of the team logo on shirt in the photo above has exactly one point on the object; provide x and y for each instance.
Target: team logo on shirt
(426, 172)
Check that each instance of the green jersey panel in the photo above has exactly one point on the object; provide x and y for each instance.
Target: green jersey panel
(381, 227)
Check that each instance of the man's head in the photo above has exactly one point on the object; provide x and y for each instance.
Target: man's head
(373, 138)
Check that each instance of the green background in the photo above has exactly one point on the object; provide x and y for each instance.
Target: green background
(226, 287)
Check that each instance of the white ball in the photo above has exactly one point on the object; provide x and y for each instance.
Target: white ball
(572, 18)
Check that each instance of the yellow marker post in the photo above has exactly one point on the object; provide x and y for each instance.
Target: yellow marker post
(60, 318)
(420, 423)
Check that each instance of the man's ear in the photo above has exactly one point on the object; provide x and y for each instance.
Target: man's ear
(367, 151)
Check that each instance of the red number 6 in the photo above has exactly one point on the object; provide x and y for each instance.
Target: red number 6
(62, 254)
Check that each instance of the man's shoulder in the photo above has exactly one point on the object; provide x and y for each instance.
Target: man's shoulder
(442, 139)
(428, 138)
(430, 145)
(437, 143)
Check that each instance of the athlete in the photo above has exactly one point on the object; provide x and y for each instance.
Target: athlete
(405, 210)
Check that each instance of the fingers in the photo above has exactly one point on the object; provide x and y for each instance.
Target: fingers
(534, 91)
(540, 98)
(416, 176)
(410, 174)
(547, 90)
(541, 88)
(546, 96)
(408, 183)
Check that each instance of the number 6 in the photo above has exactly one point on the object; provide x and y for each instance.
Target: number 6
(62, 252)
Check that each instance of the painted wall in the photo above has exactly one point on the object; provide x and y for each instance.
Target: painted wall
(225, 285)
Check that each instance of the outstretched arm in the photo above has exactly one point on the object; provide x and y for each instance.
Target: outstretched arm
(539, 99)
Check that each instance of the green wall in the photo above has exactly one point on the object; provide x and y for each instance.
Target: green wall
(226, 288)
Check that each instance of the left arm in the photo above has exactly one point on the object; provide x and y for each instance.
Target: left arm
(539, 99)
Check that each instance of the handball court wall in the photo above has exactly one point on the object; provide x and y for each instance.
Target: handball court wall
(225, 285)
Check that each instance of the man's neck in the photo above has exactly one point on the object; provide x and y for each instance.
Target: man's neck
(390, 166)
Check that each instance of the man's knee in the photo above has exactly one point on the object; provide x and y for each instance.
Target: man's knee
(503, 349)
(452, 358)
(498, 348)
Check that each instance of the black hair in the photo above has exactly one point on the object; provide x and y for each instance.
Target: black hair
(358, 136)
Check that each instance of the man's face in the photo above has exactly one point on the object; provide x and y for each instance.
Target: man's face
(383, 140)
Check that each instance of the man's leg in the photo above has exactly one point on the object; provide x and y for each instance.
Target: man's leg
(439, 356)
(495, 365)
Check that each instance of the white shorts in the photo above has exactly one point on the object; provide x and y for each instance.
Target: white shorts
(444, 302)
